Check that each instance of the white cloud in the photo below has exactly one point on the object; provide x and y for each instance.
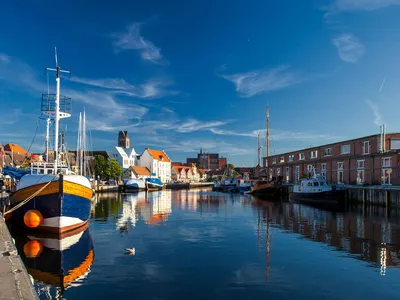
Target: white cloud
(154, 88)
(132, 40)
(349, 47)
(192, 125)
(369, 5)
(279, 135)
(375, 111)
(251, 83)
(4, 58)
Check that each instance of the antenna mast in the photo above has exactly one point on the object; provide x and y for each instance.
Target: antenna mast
(267, 137)
(56, 112)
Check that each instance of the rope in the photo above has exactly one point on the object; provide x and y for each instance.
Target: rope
(34, 136)
(28, 199)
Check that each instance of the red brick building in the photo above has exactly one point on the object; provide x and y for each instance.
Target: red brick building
(364, 160)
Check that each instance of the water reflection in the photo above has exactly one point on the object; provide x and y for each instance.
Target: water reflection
(57, 264)
(371, 238)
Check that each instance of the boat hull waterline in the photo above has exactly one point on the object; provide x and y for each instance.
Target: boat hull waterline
(64, 204)
(321, 197)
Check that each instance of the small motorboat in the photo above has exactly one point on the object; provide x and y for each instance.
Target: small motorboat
(316, 190)
(134, 184)
(154, 183)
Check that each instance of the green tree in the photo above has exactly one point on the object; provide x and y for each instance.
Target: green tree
(115, 170)
(100, 167)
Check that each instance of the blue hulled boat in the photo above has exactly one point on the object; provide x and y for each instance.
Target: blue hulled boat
(154, 183)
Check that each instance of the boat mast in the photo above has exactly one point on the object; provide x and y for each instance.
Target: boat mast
(84, 142)
(258, 149)
(57, 109)
(267, 139)
(47, 138)
(78, 146)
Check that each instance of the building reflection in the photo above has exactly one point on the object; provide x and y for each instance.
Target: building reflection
(57, 264)
(200, 202)
(367, 237)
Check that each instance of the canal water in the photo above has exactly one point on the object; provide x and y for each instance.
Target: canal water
(200, 244)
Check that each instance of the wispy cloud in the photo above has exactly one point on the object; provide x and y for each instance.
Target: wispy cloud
(382, 84)
(279, 135)
(252, 83)
(354, 5)
(349, 47)
(132, 40)
(4, 57)
(154, 88)
(193, 125)
(375, 111)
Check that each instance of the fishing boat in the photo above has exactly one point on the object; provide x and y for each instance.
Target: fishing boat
(154, 183)
(228, 180)
(57, 263)
(316, 190)
(265, 188)
(51, 197)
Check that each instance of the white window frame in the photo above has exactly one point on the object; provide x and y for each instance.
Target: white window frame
(297, 173)
(368, 150)
(274, 161)
(323, 167)
(330, 148)
(340, 165)
(314, 152)
(360, 176)
(341, 149)
(287, 171)
(302, 156)
(309, 169)
(340, 171)
(383, 181)
(363, 164)
(386, 159)
(282, 159)
(278, 172)
(291, 157)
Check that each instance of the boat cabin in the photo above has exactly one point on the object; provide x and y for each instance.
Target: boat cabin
(312, 185)
(48, 168)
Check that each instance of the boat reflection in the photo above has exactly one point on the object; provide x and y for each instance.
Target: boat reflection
(57, 264)
(367, 237)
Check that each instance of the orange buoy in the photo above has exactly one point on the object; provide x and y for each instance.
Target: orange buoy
(33, 218)
(33, 248)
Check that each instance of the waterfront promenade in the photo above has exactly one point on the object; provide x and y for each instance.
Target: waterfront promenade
(14, 279)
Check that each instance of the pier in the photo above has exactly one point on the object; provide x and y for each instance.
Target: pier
(387, 196)
(15, 282)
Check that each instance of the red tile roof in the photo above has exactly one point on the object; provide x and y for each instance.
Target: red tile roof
(158, 155)
(142, 171)
(15, 148)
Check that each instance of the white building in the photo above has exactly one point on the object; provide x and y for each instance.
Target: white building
(125, 160)
(158, 163)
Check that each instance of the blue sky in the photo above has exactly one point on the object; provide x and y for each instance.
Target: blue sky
(188, 74)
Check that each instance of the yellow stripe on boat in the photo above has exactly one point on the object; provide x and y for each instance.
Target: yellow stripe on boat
(68, 187)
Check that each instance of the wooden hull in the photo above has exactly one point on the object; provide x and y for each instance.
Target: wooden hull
(64, 205)
(321, 197)
(267, 189)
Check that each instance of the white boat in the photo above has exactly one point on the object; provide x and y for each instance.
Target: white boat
(316, 190)
(135, 184)
(60, 198)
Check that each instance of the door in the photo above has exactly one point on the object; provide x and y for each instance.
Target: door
(340, 176)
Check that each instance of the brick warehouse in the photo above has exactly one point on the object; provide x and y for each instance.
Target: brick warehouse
(365, 160)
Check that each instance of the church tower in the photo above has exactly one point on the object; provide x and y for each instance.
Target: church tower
(123, 139)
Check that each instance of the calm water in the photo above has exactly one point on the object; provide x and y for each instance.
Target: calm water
(210, 245)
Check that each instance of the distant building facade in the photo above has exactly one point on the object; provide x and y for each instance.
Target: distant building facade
(187, 174)
(373, 160)
(158, 163)
(208, 160)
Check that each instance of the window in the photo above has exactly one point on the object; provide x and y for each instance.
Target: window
(309, 168)
(345, 149)
(282, 159)
(309, 184)
(278, 172)
(274, 161)
(360, 176)
(360, 164)
(291, 157)
(301, 156)
(315, 183)
(386, 163)
(323, 167)
(314, 154)
(340, 165)
(394, 144)
(386, 174)
(297, 173)
(366, 147)
(328, 152)
(125, 161)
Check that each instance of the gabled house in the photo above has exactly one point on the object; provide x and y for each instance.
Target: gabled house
(158, 163)
(138, 172)
(125, 159)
